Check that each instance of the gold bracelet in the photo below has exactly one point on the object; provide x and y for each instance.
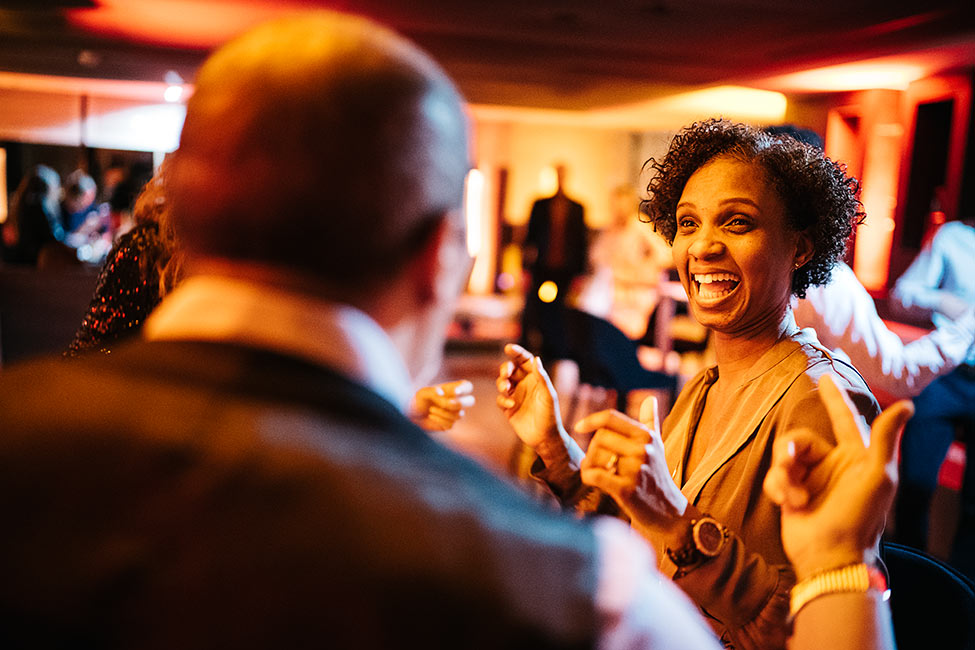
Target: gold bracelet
(853, 578)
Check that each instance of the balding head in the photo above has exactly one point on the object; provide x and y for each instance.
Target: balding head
(321, 144)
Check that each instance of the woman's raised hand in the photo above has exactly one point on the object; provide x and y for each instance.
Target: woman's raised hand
(626, 460)
(527, 398)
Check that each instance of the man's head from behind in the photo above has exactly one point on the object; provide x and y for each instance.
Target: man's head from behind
(320, 144)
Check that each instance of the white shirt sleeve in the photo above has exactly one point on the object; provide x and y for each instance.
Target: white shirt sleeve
(636, 606)
(845, 319)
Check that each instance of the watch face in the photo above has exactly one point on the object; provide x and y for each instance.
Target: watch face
(708, 537)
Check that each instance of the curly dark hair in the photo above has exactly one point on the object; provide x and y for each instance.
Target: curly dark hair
(820, 199)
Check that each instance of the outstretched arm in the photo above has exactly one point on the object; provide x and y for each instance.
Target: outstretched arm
(845, 317)
(834, 500)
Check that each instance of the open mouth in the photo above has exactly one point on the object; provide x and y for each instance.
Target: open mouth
(712, 286)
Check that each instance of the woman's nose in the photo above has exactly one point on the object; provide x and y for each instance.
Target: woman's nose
(706, 245)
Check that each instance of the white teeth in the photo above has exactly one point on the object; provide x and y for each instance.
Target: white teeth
(708, 278)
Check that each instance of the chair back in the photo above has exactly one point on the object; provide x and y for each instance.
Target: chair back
(607, 357)
(932, 604)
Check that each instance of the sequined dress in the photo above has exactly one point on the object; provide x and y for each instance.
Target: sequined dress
(126, 292)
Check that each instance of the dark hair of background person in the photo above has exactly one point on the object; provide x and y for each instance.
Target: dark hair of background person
(820, 199)
(77, 184)
(802, 134)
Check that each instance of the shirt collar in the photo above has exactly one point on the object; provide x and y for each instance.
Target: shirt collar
(788, 344)
(221, 309)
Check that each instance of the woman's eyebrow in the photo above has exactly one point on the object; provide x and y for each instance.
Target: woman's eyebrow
(739, 199)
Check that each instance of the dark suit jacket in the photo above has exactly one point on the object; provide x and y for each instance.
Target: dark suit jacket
(184, 495)
(540, 234)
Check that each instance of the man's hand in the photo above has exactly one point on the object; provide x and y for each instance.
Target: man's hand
(437, 408)
(835, 499)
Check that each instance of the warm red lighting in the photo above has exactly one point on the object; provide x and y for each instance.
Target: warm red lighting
(178, 23)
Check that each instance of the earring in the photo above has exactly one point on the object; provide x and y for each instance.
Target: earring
(797, 265)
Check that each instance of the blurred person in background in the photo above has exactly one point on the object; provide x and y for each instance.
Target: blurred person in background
(940, 283)
(78, 202)
(628, 261)
(142, 267)
(34, 227)
(555, 255)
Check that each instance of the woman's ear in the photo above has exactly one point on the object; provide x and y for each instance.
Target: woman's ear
(804, 249)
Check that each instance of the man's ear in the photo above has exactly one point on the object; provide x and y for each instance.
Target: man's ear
(433, 263)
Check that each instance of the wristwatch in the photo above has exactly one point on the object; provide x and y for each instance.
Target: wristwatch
(706, 539)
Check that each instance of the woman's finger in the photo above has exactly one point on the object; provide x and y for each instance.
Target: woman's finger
(609, 482)
(649, 416)
(615, 443)
(798, 452)
(519, 358)
(615, 421)
(505, 403)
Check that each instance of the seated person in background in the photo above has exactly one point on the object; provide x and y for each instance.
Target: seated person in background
(753, 219)
(941, 280)
(78, 203)
(245, 476)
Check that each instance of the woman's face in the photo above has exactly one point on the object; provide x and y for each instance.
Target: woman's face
(733, 250)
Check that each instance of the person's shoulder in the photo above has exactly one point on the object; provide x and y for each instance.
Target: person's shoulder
(952, 233)
(820, 362)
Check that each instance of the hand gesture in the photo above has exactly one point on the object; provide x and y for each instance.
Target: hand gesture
(437, 408)
(527, 398)
(835, 498)
(626, 460)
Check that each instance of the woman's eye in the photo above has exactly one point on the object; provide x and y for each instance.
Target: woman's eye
(685, 222)
(739, 224)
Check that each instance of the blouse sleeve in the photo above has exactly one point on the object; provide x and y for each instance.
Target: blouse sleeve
(565, 483)
(746, 595)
